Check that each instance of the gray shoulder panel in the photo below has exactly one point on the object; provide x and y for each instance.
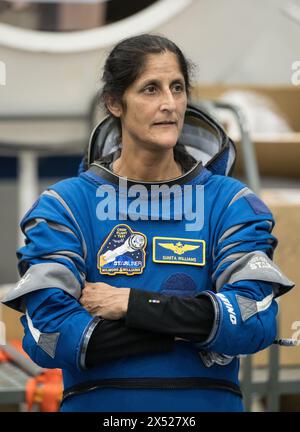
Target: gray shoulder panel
(248, 307)
(39, 276)
(256, 266)
(48, 342)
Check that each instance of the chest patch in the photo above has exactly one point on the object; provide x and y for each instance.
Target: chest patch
(172, 250)
(123, 252)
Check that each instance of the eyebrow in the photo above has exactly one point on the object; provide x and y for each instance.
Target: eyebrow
(157, 82)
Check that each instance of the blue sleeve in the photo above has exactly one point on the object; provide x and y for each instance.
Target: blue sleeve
(246, 281)
(52, 266)
(55, 329)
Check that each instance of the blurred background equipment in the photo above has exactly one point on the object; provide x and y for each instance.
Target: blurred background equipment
(66, 15)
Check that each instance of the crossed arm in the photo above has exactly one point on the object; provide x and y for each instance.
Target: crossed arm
(105, 300)
(133, 325)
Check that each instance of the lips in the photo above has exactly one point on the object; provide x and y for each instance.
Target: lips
(165, 123)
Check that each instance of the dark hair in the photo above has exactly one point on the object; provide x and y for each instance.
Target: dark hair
(127, 59)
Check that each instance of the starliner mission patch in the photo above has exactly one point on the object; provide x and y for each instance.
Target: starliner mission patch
(171, 250)
(123, 252)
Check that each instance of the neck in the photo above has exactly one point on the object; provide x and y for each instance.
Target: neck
(147, 166)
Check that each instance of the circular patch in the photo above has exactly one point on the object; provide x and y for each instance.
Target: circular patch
(180, 285)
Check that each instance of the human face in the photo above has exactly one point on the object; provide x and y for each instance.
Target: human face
(154, 105)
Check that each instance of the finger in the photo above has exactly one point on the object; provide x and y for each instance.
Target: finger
(83, 301)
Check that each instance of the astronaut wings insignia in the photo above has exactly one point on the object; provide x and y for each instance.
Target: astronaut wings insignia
(178, 248)
(182, 251)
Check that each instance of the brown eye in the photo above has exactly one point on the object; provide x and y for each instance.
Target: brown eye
(178, 88)
(151, 89)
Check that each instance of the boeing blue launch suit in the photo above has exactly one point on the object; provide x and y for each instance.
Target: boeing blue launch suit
(215, 244)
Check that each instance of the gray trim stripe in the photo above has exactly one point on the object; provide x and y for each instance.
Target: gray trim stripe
(40, 276)
(265, 303)
(270, 225)
(231, 257)
(55, 195)
(249, 307)
(217, 317)
(65, 254)
(230, 231)
(58, 227)
(209, 358)
(213, 252)
(57, 256)
(86, 338)
(231, 245)
(70, 254)
(32, 224)
(61, 228)
(35, 333)
(243, 192)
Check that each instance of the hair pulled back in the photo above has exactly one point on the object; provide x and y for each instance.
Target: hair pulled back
(128, 58)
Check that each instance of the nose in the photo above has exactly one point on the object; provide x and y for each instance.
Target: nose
(167, 101)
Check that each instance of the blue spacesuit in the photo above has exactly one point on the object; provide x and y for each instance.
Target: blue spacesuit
(214, 241)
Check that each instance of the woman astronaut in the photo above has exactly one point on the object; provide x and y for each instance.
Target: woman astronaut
(145, 277)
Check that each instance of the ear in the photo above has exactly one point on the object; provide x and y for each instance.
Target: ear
(114, 106)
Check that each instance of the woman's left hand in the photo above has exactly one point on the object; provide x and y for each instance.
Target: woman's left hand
(105, 300)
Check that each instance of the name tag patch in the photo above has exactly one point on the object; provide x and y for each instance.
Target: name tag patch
(172, 250)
